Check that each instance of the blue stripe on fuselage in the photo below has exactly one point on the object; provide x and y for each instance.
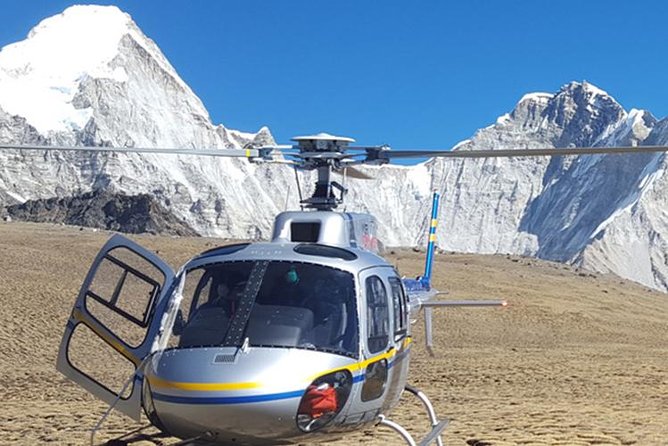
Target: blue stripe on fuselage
(400, 356)
(228, 399)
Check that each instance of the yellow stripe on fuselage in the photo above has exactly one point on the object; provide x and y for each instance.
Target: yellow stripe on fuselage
(434, 222)
(362, 365)
(201, 387)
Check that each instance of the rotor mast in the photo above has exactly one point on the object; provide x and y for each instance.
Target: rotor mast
(322, 153)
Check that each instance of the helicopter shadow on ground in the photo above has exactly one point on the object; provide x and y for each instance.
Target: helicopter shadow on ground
(139, 437)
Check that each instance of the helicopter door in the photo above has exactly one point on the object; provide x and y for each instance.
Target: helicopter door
(114, 322)
(377, 335)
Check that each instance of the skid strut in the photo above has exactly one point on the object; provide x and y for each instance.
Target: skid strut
(436, 426)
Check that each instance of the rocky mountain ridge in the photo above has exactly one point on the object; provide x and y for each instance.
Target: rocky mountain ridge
(601, 212)
(102, 209)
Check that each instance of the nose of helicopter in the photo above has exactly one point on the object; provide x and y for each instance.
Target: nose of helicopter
(232, 396)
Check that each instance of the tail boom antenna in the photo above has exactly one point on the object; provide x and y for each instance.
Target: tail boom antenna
(431, 241)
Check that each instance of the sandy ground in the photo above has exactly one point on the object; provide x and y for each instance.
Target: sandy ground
(576, 359)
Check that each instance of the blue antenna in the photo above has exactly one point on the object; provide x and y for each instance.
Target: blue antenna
(431, 243)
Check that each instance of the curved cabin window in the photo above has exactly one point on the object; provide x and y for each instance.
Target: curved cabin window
(400, 309)
(272, 303)
(375, 381)
(377, 315)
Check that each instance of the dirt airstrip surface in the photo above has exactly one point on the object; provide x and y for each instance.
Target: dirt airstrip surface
(575, 359)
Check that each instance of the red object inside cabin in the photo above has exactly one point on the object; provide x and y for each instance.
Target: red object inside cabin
(318, 401)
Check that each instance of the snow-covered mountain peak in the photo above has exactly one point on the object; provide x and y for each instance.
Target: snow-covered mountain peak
(538, 97)
(527, 108)
(589, 88)
(582, 112)
(41, 75)
(583, 89)
(103, 26)
(589, 99)
(82, 40)
(56, 43)
(577, 115)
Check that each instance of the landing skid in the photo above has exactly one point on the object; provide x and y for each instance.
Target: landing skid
(436, 426)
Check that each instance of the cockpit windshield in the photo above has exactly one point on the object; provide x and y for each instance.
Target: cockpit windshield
(268, 304)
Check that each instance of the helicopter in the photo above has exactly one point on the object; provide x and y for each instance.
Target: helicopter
(302, 338)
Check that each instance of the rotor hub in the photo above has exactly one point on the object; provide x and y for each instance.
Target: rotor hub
(322, 153)
(322, 142)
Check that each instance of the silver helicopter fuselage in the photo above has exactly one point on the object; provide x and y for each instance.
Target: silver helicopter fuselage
(318, 315)
(252, 394)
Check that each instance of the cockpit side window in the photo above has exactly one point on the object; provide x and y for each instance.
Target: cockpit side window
(400, 308)
(377, 314)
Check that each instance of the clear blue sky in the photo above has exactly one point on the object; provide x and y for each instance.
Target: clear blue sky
(411, 74)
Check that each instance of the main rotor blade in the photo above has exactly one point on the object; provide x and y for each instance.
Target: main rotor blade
(390, 154)
(234, 153)
(351, 172)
